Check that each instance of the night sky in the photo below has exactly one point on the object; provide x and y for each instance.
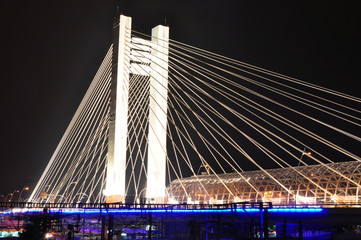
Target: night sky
(50, 51)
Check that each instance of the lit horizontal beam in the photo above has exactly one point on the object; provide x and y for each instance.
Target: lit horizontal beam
(298, 210)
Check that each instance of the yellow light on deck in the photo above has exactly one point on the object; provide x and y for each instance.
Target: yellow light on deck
(268, 193)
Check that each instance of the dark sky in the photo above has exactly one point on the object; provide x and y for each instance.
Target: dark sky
(50, 51)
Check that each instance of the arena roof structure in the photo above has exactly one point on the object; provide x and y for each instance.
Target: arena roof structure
(313, 184)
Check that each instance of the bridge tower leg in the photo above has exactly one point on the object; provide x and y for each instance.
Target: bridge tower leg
(117, 145)
(158, 94)
(157, 133)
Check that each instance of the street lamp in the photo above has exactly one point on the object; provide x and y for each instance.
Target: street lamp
(303, 153)
(205, 166)
(6, 198)
(82, 195)
(59, 200)
(298, 166)
(140, 197)
(12, 195)
(24, 188)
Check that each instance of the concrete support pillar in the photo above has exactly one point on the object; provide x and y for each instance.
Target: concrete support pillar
(300, 229)
(110, 227)
(218, 227)
(157, 133)
(102, 233)
(284, 230)
(117, 146)
(265, 223)
(150, 223)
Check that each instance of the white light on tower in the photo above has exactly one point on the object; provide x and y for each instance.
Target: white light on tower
(157, 134)
(117, 146)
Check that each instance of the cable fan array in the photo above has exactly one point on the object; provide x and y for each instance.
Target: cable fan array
(223, 116)
(76, 171)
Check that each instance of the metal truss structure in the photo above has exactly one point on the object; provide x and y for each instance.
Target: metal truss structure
(312, 189)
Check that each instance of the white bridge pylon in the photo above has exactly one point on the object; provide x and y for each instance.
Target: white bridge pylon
(150, 59)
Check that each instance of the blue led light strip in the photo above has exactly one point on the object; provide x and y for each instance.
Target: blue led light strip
(129, 211)
(299, 210)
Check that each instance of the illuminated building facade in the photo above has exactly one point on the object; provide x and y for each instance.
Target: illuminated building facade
(313, 184)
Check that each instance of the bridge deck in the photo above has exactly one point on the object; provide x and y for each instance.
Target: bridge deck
(219, 217)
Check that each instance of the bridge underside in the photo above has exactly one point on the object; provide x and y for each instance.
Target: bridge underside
(181, 221)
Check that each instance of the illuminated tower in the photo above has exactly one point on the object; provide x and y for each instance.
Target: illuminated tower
(158, 115)
(127, 60)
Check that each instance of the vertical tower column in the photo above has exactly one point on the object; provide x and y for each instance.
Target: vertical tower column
(117, 145)
(157, 133)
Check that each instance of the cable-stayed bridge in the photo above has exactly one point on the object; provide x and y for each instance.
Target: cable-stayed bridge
(165, 122)
(168, 128)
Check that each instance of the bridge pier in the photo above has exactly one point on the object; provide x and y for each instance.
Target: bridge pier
(265, 223)
(110, 226)
(102, 232)
(284, 229)
(218, 227)
(150, 223)
(300, 230)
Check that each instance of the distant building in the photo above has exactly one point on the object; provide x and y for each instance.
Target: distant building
(314, 184)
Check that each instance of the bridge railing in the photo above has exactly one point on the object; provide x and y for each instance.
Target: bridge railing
(245, 205)
(12, 205)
